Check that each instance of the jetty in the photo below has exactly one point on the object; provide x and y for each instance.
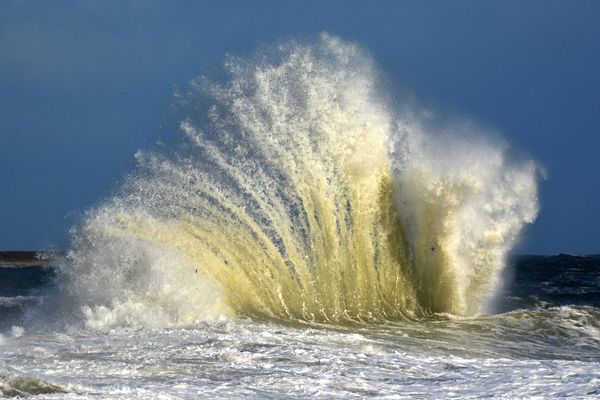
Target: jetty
(21, 259)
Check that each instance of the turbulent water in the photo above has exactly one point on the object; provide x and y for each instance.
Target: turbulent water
(545, 343)
(299, 193)
(306, 235)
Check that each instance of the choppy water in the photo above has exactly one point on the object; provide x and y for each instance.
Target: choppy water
(307, 236)
(548, 344)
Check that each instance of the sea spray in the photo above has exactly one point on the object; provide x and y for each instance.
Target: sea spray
(298, 193)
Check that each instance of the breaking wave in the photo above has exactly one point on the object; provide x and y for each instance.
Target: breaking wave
(298, 191)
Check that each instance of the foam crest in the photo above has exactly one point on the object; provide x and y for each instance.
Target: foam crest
(296, 192)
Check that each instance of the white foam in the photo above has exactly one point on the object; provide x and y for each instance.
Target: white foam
(300, 193)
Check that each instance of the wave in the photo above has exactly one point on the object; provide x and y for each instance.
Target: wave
(584, 320)
(27, 386)
(298, 191)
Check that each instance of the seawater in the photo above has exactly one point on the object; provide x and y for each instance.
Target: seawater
(305, 236)
(545, 343)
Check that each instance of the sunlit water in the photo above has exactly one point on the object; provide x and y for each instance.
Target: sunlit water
(550, 351)
(306, 236)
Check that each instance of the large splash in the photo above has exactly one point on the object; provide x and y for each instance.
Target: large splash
(298, 192)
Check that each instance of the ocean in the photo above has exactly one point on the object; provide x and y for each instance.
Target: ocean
(306, 234)
(544, 343)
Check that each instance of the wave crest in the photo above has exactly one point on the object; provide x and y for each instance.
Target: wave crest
(298, 192)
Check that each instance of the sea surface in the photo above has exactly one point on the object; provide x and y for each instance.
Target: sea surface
(544, 342)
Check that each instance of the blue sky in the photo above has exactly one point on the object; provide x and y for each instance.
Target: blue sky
(84, 84)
